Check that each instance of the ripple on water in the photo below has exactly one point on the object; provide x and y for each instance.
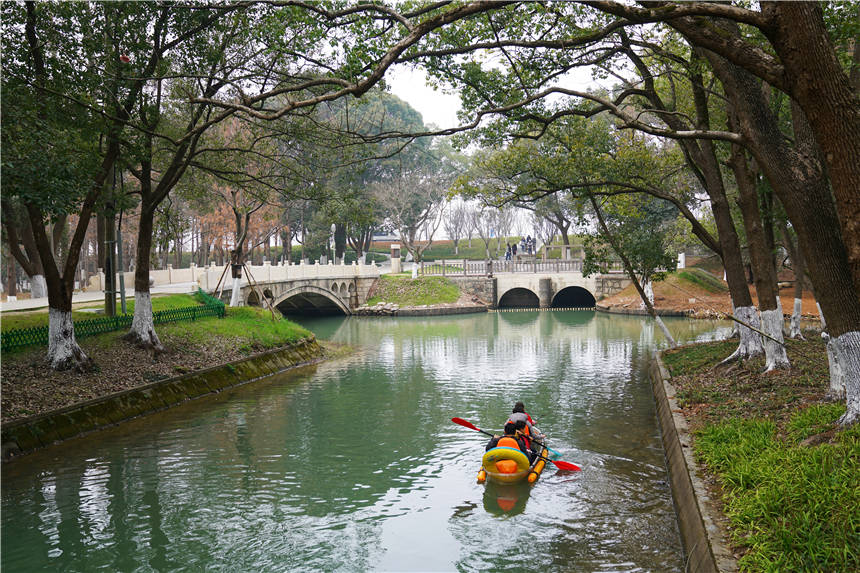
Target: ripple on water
(355, 465)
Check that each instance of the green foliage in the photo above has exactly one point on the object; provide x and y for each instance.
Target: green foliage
(405, 291)
(638, 227)
(813, 420)
(792, 507)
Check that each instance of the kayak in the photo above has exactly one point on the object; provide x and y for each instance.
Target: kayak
(510, 465)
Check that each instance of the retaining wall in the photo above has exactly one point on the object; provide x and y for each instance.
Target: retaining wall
(484, 288)
(702, 534)
(34, 432)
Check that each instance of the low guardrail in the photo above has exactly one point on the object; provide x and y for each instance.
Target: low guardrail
(465, 267)
(20, 337)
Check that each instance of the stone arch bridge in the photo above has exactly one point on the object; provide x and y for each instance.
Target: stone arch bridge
(339, 288)
(298, 289)
(530, 283)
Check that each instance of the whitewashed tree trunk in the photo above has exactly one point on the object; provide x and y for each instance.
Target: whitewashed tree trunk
(794, 328)
(836, 392)
(665, 331)
(750, 344)
(848, 356)
(735, 332)
(821, 318)
(63, 350)
(142, 332)
(235, 296)
(774, 351)
(38, 287)
(649, 293)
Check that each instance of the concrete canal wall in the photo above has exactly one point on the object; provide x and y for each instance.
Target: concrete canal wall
(702, 534)
(28, 434)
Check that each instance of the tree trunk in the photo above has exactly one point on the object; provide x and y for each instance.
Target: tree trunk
(762, 262)
(702, 157)
(339, 241)
(11, 278)
(63, 350)
(38, 285)
(797, 264)
(797, 311)
(799, 180)
(236, 259)
(823, 90)
(142, 332)
(847, 352)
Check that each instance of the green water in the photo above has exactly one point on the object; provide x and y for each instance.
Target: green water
(354, 465)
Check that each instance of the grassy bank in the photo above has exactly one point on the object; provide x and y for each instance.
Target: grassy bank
(251, 327)
(39, 317)
(30, 387)
(403, 290)
(789, 479)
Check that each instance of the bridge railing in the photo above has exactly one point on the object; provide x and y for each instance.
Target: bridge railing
(266, 273)
(464, 267)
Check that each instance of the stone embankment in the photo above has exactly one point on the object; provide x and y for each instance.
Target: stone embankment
(393, 309)
(27, 434)
(703, 531)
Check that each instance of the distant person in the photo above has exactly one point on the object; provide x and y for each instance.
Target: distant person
(508, 253)
(514, 249)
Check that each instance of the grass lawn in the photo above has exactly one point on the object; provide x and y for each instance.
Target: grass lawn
(35, 318)
(401, 289)
(789, 478)
(30, 387)
(250, 327)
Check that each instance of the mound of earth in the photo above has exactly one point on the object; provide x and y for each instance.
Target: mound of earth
(699, 294)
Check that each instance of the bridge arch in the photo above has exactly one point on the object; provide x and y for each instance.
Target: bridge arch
(573, 297)
(311, 300)
(519, 297)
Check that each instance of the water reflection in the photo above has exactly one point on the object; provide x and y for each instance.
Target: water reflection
(506, 499)
(354, 464)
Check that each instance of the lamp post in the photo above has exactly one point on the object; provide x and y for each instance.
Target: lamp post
(331, 241)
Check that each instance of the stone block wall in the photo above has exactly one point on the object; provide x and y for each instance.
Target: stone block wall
(484, 288)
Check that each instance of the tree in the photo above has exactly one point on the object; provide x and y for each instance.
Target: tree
(712, 29)
(637, 228)
(50, 70)
(456, 222)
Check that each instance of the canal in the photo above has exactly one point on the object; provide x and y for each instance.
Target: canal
(354, 464)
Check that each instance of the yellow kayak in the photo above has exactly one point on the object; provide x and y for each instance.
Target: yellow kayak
(510, 465)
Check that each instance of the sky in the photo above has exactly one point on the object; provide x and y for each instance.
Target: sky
(436, 107)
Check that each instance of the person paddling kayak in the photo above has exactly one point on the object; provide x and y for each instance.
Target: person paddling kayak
(509, 440)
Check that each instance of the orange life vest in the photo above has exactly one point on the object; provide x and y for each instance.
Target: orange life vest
(508, 442)
(525, 435)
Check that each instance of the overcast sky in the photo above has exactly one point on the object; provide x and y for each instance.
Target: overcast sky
(434, 106)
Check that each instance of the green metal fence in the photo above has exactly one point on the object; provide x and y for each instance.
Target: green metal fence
(21, 337)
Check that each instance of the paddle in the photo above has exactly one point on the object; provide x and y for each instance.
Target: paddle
(560, 464)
